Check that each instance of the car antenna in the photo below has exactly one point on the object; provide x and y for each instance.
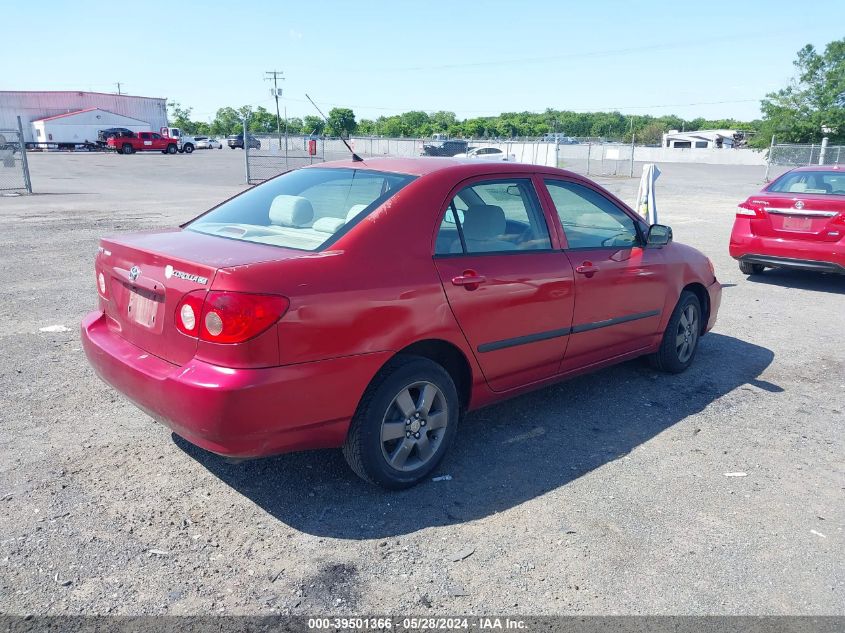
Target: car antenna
(355, 157)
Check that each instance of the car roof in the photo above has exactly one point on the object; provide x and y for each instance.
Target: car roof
(820, 168)
(424, 165)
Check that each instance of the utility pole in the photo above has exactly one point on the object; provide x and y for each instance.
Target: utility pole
(275, 75)
(118, 88)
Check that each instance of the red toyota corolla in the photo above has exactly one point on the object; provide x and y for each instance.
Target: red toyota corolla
(797, 221)
(369, 305)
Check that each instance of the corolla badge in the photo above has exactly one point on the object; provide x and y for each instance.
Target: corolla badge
(799, 204)
(134, 273)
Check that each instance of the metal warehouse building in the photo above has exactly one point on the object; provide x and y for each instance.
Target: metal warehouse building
(38, 105)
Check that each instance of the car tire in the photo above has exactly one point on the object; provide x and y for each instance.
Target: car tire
(393, 451)
(127, 148)
(189, 149)
(748, 268)
(680, 340)
(172, 149)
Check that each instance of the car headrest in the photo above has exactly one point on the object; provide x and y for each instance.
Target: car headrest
(291, 211)
(484, 222)
(328, 225)
(354, 210)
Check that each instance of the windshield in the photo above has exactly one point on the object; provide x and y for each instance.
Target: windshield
(306, 209)
(815, 182)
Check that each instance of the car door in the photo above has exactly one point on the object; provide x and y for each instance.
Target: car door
(146, 140)
(508, 285)
(158, 141)
(620, 286)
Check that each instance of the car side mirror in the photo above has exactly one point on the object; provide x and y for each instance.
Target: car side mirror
(658, 235)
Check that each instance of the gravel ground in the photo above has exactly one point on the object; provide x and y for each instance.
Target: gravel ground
(607, 494)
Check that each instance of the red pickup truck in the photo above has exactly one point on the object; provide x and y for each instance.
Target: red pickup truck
(143, 142)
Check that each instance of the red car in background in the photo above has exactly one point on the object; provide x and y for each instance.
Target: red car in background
(797, 221)
(369, 305)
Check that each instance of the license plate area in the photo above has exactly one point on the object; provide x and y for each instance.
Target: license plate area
(797, 223)
(143, 307)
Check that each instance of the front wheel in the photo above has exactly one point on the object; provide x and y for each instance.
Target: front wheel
(680, 340)
(747, 268)
(171, 149)
(189, 149)
(404, 424)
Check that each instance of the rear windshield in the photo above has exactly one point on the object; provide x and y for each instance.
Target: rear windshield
(815, 182)
(306, 209)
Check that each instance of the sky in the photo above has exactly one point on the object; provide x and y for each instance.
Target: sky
(712, 59)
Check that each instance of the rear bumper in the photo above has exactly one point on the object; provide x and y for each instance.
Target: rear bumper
(235, 412)
(795, 264)
(788, 253)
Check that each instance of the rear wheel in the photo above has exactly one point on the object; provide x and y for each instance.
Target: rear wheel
(171, 149)
(680, 340)
(748, 268)
(127, 148)
(404, 424)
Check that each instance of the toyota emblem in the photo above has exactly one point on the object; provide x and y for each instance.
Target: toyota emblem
(134, 273)
(799, 204)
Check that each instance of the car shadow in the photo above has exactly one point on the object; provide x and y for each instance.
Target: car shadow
(801, 279)
(504, 455)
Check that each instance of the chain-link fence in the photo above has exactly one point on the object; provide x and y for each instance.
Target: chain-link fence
(270, 155)
(14, 170)
(794, 155)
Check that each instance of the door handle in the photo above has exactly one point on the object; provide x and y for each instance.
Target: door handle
(469, 280)
(587, 269)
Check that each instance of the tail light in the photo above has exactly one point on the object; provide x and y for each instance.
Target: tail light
(750, 209)
(228, 317)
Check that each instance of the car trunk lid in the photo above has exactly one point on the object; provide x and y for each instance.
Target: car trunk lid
(805, 217)
(147, 274)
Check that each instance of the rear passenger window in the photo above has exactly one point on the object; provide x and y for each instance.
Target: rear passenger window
(589, 219)
(493, 217)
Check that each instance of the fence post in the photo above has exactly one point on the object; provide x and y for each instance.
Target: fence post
(246, 153)
(812, 147)
(589, 151)
(632, 154)
(24, 162)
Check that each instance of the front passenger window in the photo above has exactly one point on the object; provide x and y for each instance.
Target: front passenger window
(589, 219)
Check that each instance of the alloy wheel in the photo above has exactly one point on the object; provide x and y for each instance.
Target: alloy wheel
(686, 337)
(414, 426)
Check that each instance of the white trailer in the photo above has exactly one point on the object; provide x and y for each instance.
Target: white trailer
(81, 127)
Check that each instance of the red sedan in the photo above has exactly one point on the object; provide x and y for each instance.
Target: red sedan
(370, 305)
(797, 221)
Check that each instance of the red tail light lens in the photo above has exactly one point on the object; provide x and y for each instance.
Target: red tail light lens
(228, 317)
(189, 311)
(749, 209)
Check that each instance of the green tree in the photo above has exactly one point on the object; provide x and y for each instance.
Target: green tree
(181, 117)
(294, 125)
(313, 125)
(227, 121)
(341, 122)
(813, 104)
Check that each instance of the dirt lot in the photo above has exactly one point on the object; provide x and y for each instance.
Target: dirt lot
(603, 495)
